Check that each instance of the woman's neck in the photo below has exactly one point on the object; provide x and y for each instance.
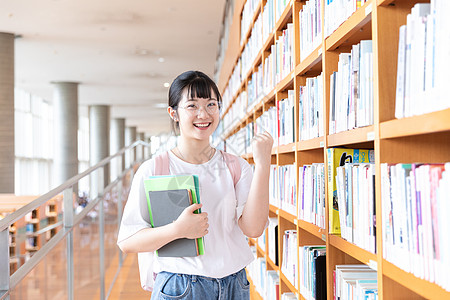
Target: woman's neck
(194, 152)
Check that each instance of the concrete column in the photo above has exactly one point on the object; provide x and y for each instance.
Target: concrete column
(140, 149)
(117, 143)
(65, 119)
(99, 123)
(7, 113)
(130, 137)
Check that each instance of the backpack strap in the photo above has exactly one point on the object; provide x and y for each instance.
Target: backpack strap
(233, 165)
(161, 165)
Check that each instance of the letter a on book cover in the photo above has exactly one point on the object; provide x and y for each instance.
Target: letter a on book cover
(166, 207)
(167, 183)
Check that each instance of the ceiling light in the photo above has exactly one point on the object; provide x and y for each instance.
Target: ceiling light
(160, 105)
(166, 84)
(161, 59)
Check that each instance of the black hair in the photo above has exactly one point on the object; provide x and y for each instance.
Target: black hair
(197, 84)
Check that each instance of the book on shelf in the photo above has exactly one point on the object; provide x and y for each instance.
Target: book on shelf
(336, 12)
(311, 109)
(287, 188)
(257, 271)
(272, 285)
(167, 197)
(290, 252)
(273, 240)
(415, 226)
(311, 194)
(288, 296)
(351, 89)
(312, 272)
(355, 183)
(346, 278)
(286, 119)
(310, 27)
(337, 157)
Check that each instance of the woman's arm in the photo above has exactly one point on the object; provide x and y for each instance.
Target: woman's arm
(188, 225)
(256, 210)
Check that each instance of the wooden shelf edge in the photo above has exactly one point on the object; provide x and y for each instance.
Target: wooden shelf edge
(309, 62)
(312, 229)
(315, 143)
(427, 123)
(384, 2)
(355, 22)
(356, 252)
(271, 263)
(273, 209)
(289, 79)
(287, 216)
(288, 283)
(284, 16)
(419, 286)
(288, 148)
(357, 135)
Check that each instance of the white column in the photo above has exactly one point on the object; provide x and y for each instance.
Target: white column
(7, 113)
(65, 119)
(99, 123)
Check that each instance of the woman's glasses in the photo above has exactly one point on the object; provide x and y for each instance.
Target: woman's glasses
(212, 108)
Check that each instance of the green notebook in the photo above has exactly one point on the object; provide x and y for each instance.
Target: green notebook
(174, 182)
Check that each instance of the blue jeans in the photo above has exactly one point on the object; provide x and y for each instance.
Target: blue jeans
(181, 286)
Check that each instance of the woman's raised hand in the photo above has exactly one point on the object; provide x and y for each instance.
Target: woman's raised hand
(262, 149)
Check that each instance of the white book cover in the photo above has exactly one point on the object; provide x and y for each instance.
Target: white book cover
(409, 35)
(400, 87)
(332, 118)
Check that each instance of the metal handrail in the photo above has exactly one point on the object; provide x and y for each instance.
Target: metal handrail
(69, 221)
(21, 212)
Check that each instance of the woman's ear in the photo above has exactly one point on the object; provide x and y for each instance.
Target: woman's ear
(172, 113)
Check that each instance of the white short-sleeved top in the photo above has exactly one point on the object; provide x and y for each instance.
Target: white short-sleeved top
(226, 248)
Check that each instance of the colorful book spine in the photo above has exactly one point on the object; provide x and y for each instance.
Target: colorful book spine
(415, 226)
(311, 194)
(337, 157)
(311, 109)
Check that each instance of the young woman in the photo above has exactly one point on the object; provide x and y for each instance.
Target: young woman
(229, 211)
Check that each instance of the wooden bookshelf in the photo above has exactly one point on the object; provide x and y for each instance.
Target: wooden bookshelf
(423, 138)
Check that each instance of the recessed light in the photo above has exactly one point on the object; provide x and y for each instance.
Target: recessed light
(160, 105)
(161, 59)
(166, 84)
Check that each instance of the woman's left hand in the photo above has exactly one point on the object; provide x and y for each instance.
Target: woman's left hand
(262, 149)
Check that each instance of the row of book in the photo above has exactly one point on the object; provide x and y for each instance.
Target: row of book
(338, 157)
(255, 89)
(289, 263)
(266, 282)
(310, 25)
(311, 194)
(286, 188)
(261, 30)
(286, 119)
(355, 183)
(415, 204)
(268, 18)
(252, 48)
(422, 60)
(311, 109)
(351, 89)
(355, 282)
(337, 11)
(247, 17)
(312, 272)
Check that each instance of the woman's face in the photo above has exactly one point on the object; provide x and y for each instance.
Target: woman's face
(198, 117)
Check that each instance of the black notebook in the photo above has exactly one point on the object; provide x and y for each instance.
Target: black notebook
(166, 206)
